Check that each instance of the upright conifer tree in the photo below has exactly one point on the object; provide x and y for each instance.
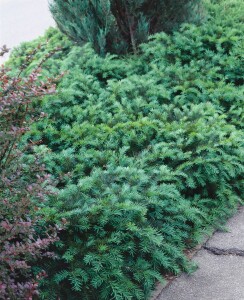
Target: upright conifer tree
(119, 26)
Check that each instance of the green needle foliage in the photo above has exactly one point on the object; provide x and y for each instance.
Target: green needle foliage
(139, 193)
(119, 26)
(147, 152)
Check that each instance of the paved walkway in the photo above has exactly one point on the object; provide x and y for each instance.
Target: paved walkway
(220, 275)
(23, 20)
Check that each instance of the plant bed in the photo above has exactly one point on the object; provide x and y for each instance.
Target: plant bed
(147, 154)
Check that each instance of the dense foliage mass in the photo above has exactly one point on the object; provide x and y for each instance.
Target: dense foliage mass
(147, 151)
(119, 26)
(23, 237)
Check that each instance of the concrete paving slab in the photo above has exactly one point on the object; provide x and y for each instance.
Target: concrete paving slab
(234, 238)
(217, 278)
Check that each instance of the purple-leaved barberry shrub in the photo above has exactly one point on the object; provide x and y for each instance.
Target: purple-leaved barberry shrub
(23, 237)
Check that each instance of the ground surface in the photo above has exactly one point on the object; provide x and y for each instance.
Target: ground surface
(220, 275)
(23, 20)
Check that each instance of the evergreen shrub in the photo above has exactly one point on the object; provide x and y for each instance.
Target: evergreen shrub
(45, 44)
(136, 194)
(119, 26)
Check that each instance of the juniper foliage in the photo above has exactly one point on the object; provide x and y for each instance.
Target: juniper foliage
(119, 26)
